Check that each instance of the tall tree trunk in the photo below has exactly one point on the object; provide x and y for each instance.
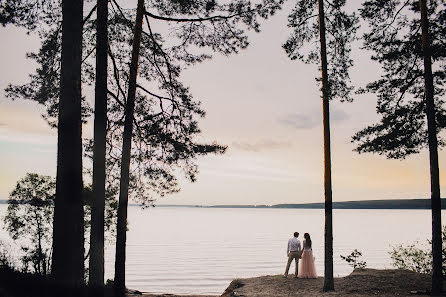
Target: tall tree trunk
(126, 154)
(433, 155)
(328, 272)
(41, 260)
(39, 246)
(68, 230)
(96, 264)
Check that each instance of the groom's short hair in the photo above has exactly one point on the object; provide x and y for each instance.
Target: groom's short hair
(296, 234)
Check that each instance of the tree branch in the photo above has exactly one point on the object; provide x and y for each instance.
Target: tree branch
(88, 55)
(198, 19)
(397, 13)
(150, 93)
(116, 98)
(89, 14)
(116, 73)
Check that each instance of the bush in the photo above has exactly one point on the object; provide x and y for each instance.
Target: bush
(416, 256)
(6, 260)
(353, 259)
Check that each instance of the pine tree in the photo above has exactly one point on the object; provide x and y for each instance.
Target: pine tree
(334, 30)
(408, 41)
(119, 281)
(68, 231)
(96, 260)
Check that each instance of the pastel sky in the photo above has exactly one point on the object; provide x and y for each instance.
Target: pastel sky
(265, 107)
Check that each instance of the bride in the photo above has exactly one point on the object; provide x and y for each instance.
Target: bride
(307, 268)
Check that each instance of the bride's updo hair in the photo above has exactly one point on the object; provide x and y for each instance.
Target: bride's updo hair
(307, 240)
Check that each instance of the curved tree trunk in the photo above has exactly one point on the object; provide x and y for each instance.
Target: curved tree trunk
(328, 272)
(126, 154)
(68, 229)
(96, 264)
(433, 156)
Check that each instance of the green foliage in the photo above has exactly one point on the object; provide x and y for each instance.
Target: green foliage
(341, 30)
(353, 259)
(44, 17)
(6, 260)
(29, 220)
(412, 257)
(394, 37)
(416, 256)
(28, 14)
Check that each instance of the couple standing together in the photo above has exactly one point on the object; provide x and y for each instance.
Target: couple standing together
(296, 251)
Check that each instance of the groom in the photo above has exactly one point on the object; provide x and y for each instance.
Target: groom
(293, 252)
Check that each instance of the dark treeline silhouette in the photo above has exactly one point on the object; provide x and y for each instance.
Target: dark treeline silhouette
(360, 204)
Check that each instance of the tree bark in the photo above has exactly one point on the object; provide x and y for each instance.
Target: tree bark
(119, 281)
(328, 271)
(68, 230)
(41, 259)
(96, 261)
(433, 155)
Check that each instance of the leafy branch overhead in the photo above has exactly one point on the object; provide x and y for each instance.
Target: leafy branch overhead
(176, 34)
(394, 38)
(303, 43)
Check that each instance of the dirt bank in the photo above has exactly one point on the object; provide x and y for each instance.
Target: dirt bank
(361, 282)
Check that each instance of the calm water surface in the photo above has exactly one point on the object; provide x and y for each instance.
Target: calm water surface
(200, 250)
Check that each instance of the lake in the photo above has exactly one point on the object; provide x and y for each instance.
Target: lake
(200, 250)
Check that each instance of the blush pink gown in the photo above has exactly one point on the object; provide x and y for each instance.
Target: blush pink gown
(307, 268)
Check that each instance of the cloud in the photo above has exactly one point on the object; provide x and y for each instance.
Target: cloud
(312, 119)
(250, 167)
(299, 121)
(8, 136)
(261, 145)
(338, 115)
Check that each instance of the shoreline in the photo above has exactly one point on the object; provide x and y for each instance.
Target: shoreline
(381, 204)
(361, 282)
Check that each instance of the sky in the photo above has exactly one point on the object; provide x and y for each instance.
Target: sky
(268, 111)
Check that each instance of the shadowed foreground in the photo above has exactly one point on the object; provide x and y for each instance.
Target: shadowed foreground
(361, 282)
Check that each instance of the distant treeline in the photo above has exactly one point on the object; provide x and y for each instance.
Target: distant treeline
(366, 204)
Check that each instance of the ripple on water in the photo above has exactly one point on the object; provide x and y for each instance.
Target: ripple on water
(200, 250)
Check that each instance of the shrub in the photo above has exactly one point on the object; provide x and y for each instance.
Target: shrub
(353, 259)
(416, 256)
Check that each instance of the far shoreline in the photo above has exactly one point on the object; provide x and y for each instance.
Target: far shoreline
(402, 204)
(364, 204)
